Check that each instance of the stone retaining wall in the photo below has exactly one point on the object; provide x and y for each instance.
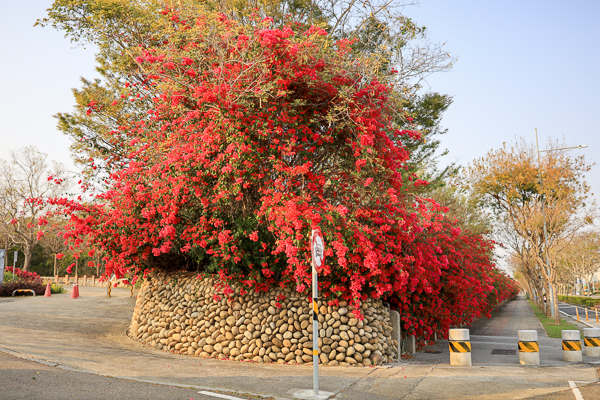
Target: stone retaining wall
(181, 315)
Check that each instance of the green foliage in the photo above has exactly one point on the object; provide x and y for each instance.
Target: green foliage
(55, 288)
(463, 209)
(582, 301)
(426, 111)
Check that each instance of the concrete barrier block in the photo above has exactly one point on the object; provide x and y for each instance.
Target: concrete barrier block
(529, 348)
(396, 330)
(410, 344)
(591, 332)
(458, 334)
(571, 345)
(571, 335)
(591, 339)
(527, 336)
(459, 343)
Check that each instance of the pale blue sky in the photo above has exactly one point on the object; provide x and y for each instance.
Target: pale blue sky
(521, 65)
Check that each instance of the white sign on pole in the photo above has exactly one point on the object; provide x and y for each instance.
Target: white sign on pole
(317, 250)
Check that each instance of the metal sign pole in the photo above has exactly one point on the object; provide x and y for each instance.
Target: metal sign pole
(2, 253)
(317, 262)
(315, 293)
(15, 264)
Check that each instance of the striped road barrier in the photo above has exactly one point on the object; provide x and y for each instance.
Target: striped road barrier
(571, 344)
(23, 290)
(459, 342)
(529, 347)
(591, 339)
(586, 315)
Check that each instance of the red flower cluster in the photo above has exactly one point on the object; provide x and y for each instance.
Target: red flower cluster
(26, 276)
(257, 136)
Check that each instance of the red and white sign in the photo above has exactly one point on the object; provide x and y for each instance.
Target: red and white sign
(317, 249)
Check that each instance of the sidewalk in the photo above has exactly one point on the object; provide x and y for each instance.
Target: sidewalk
(495, 341)
(88, 334)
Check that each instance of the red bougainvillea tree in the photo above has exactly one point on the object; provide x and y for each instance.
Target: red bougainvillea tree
(256, 136)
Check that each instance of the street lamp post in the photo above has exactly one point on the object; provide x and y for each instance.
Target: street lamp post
(551, 294)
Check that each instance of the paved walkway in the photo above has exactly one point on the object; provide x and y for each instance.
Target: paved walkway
(88, 334)
(495, 341)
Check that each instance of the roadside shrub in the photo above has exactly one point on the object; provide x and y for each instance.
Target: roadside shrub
(6, 289)
(55, 288)
(582, 301)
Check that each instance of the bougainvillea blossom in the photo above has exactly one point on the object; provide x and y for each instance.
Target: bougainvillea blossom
(259, 135)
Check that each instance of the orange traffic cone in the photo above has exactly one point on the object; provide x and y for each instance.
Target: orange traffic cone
(77, 289)
(48, 290)
(74, 292)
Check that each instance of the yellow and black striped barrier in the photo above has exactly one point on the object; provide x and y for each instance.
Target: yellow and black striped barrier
(529, 347)
(460, 347)
(459, 342)
(109, 289)
(591, 339)
(315, 331)
(571, 345)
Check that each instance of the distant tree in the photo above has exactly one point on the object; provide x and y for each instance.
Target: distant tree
(24, 180)
(580, 258)
(54, 243)
(524, 199)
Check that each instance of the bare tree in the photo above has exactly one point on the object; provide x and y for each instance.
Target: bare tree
(580, 258)
(25, 181)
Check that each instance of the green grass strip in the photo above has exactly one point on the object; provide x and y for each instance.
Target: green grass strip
(553, 331)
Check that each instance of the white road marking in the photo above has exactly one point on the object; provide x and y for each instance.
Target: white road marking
(224, 396)
(575, 390)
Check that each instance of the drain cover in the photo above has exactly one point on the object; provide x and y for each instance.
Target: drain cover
(504, 352)
(432, 351)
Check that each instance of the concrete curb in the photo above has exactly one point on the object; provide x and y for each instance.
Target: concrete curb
(578, 322)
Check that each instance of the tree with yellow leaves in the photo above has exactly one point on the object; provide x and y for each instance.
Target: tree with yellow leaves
(543, 208)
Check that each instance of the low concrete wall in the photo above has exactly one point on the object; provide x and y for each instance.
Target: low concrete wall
(180, 314)
(82, 280)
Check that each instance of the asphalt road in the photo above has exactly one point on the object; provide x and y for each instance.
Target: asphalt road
(24, 379)
(570, 310)
(89, 357)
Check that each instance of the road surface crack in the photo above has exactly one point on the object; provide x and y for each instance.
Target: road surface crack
(412, 388)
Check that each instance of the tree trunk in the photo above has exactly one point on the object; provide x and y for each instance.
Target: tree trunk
(556, 310)
(55, 265)
(27, 252)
